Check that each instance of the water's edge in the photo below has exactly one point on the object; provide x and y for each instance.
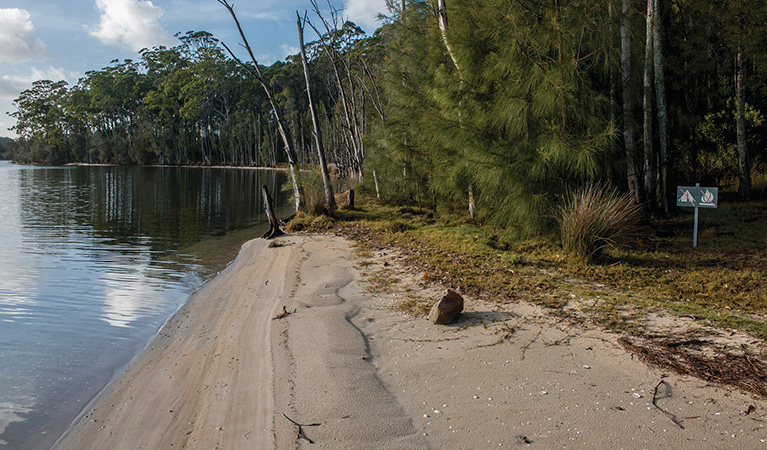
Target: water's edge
(120, 371)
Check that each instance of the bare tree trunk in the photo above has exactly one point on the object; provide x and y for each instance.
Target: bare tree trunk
(628, 120)
(744, 167)
(256, 72)
(660, 100)
(375, 180)
(353, 134)
(649, 156)
(329, 198)
(274, 224)
(442, 12)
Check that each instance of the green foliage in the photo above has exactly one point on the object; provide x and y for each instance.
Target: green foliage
(524, 113)
(717, 158)
(594, 217)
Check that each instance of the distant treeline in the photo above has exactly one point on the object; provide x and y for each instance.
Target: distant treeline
(194, 105)
(4, 141)
(497, 111)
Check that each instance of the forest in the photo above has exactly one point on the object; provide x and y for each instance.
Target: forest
(493, 109)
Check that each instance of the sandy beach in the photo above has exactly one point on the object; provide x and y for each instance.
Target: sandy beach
(357, 373)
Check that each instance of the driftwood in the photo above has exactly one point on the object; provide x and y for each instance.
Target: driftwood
(301, 434)
(665, 413)
(274, 225)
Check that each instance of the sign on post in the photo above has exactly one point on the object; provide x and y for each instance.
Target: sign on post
(697, 197)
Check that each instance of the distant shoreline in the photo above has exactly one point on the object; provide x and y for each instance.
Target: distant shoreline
(190, 166)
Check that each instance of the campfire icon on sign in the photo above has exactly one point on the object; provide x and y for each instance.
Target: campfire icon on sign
(707, 198)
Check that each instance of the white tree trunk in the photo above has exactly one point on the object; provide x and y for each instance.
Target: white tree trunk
(329, 197)
(649, 156)
(442, 12)
(628, 120)
(660, 100)
(744, 167)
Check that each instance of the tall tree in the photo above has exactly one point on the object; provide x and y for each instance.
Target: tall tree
(649, 155)
(744, 163)
(329, 197)
(442, 18)
(660, 101)
(632, 172)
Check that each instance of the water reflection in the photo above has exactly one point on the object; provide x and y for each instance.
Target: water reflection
(94, 260)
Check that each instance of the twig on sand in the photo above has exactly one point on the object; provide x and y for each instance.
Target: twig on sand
(301, 434)
(284, 313)
(654, 399)
(524, 348)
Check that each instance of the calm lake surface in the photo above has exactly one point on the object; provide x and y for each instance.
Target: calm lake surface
(93, 260)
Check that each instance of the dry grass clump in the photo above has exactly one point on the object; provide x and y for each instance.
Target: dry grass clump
(594, 217)
(314, 196)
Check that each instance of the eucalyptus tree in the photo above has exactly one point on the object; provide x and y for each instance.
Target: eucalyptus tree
(329, 197)
(114, 95)
(167, 72)
(664, 189)
(41, 123)
(632, 171)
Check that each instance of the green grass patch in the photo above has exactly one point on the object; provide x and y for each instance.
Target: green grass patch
(721, 282)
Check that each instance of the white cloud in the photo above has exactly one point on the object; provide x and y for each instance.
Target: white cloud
(287, 50)
(130, 23)
(17, 39)
(12, 85)
(365, 13)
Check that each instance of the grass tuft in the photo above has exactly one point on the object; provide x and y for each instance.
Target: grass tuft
(593, 218)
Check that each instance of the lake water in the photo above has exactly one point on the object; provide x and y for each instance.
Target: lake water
(93, 260)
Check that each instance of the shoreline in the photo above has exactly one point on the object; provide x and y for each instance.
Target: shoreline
(372, 377)
(191, 166)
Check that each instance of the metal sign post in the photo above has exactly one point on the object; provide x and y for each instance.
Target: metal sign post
(697, 197)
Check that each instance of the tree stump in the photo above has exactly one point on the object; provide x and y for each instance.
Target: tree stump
(350, 199)
(274, 225)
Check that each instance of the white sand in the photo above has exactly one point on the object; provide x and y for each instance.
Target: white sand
(224, 374)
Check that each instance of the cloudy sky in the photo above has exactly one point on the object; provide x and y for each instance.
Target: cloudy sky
(57, 40)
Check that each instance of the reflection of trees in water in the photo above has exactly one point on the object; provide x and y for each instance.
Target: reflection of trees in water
(164, 208)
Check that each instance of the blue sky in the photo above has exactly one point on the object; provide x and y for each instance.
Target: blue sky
(61, 40)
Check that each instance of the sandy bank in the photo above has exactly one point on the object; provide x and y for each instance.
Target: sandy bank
(224, 374)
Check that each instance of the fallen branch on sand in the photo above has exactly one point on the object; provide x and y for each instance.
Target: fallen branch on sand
(284, 313)
(668, 415)
(525, 347)
(301, 434)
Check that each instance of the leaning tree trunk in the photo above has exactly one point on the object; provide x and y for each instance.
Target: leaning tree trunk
(744, 166)
(660, 100)
(256, 72)
(442, 15)
(649, 157)
(274, 224)
(329, 198)
(628, 120)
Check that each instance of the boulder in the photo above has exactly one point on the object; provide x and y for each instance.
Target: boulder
(447, 309)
